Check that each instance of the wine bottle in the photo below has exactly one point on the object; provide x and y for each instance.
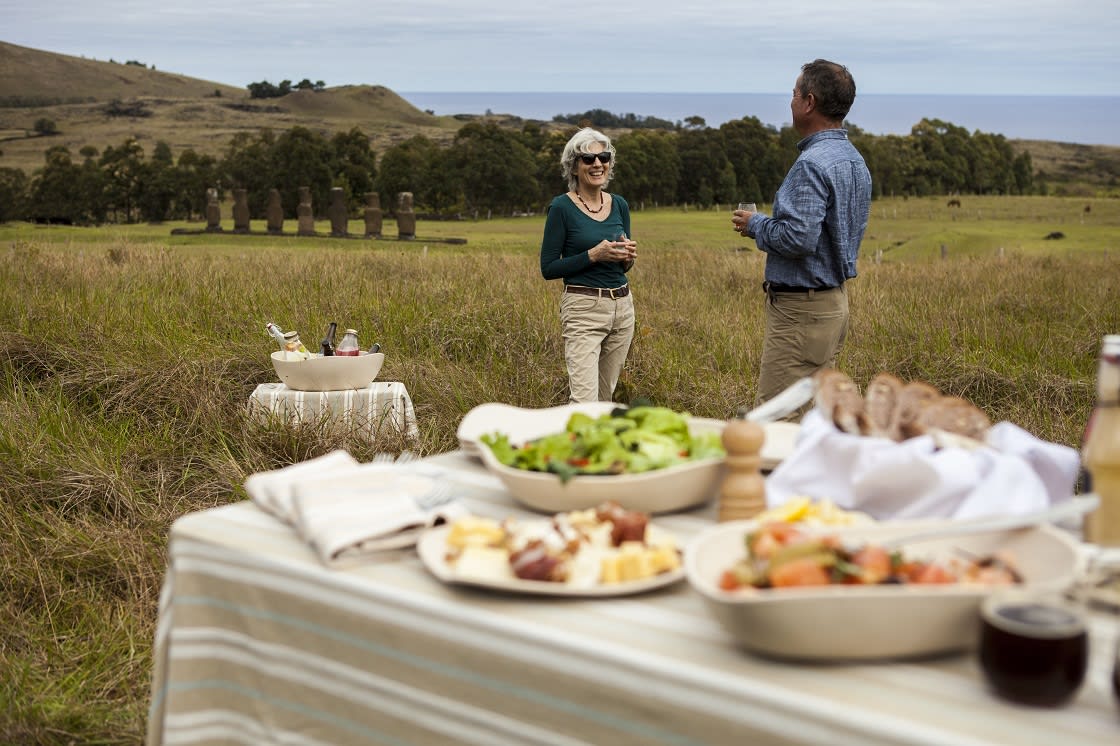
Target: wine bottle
(375, 347)
(326, 347)
(349, 345)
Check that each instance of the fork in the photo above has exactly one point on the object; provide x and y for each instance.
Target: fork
(388, 458)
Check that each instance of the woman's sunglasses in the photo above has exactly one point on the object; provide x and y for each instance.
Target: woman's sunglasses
(589, 158)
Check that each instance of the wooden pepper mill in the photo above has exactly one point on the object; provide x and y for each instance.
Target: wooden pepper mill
(743, 493)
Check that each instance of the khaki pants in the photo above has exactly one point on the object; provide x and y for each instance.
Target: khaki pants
(597, 335)
(804, 332)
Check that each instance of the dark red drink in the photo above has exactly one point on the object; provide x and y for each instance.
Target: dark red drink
(1033, 651)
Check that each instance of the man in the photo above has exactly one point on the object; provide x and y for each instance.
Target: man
(812, 239)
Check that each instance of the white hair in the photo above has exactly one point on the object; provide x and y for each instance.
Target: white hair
(577, 146)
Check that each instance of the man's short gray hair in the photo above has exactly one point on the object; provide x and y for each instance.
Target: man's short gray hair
(579, 144)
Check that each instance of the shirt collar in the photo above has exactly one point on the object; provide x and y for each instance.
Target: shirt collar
(834, 133)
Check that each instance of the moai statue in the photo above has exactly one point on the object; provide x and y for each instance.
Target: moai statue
(338, 213)
(306, 217)
(213, 211)
(240, 211)
(373, 215)
(406, 218)
(275, 213)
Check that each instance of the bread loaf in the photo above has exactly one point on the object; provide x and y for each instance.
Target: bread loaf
(839, 398)
(896, 410)
(914, 396)
(953, 414)
(880, 403)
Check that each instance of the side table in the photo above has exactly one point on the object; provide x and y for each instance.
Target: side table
(381, 405)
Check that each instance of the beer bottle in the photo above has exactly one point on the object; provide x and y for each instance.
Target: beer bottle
(1101, 452)
(349, 345)
(326, 347)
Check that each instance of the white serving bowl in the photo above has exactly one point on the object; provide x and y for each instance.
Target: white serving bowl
(521, 425)
(659, 491)
(334, 373)
(870, 622)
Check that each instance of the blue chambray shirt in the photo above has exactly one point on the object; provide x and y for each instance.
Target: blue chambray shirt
(820, 214)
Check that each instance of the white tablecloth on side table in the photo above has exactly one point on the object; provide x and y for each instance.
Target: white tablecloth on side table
(382, 406)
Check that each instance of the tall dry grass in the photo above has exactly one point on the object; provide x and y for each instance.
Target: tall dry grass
(127, 361)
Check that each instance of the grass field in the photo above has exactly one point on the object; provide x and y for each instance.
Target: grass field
(127, 356)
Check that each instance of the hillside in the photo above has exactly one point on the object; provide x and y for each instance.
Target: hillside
(76, 93)
(31, 77)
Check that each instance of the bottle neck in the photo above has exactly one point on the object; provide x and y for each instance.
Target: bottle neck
(1108, 382)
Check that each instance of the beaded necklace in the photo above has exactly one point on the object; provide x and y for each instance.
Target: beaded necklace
(593, 212)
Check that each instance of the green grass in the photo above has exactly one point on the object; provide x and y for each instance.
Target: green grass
(127, 357)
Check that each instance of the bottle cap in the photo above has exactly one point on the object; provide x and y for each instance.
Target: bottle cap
(291, 335)
(355, 331)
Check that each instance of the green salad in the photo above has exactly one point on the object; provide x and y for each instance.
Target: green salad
(626, 441)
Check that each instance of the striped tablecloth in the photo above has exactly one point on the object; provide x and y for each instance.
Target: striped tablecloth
(259, 643)
(381, 405)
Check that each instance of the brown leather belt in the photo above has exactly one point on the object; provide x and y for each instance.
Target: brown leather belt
(613, 293)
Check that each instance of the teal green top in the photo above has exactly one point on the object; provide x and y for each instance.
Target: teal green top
(569, 234)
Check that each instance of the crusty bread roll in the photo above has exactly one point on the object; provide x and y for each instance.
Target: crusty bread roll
(913, 397)
(839, 399)
(953, 414)
(880, 404)
(896, 410)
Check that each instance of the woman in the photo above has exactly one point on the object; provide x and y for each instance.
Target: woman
(586, 244)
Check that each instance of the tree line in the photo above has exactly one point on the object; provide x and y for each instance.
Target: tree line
(264, 89)
(488, 169)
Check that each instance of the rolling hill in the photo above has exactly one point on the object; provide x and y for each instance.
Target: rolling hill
(103, 103)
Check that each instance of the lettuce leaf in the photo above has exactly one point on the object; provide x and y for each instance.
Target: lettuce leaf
(626, 441)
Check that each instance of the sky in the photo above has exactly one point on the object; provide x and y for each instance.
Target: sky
(1020, 47)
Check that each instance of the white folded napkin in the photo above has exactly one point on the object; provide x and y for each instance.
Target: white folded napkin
(1014, 472)
(272, 490)
(349, 511)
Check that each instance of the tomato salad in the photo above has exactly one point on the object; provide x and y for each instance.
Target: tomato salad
(782, 555)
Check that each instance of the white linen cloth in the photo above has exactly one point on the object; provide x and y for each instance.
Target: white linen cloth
(1014, 472)
(347, 511)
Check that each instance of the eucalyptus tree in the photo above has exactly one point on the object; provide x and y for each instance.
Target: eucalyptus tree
(704, 173)
(495, 167)
(194, 174)
(354, 165)
(53, 196)
(755, 153)
(403, 168)
(248, 165)
(300, 157)
(123, 169)
(946, 151)
(648, 168)
(158, 190)
(13, 194)
(546, 166)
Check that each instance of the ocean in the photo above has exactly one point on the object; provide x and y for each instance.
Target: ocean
(1085, 120)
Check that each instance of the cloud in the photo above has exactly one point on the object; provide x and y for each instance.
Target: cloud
(907, 46)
